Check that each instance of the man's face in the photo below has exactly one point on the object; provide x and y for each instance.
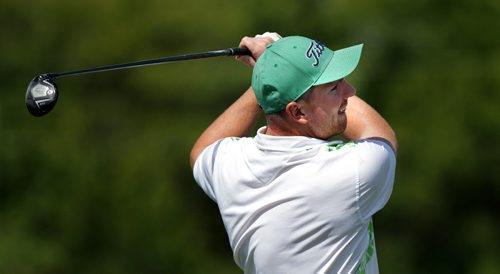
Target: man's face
(325, 106)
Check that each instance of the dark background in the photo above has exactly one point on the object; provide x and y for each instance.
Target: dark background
(102, 183)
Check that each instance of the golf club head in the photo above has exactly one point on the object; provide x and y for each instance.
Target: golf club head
(41, 95)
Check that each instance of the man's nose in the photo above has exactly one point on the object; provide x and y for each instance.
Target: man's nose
(347, 89)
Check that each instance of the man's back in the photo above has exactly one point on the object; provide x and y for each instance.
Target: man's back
(298, 204)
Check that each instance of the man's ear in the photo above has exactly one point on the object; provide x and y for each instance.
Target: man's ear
(294, 110)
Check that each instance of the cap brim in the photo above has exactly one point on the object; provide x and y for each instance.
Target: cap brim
(343, 62)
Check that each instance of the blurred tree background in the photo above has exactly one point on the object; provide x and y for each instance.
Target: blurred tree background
(102, 184)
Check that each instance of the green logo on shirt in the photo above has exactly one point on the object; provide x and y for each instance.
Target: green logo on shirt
(335, 147)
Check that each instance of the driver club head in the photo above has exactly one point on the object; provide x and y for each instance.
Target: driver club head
(41, 95)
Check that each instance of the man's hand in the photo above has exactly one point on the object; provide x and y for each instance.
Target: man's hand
(256, 45)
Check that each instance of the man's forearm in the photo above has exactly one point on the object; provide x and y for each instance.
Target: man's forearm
(365, 122)
(235, 121)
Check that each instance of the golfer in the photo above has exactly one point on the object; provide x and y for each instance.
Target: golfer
(292, 199)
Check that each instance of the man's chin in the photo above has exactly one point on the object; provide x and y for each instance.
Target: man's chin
(339, 131)
(336, 135)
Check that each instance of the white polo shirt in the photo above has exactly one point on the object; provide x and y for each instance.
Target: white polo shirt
(298, 204)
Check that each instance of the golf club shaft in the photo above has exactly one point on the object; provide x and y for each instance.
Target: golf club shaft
(214, 53)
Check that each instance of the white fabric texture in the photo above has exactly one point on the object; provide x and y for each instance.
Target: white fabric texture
(298, 204)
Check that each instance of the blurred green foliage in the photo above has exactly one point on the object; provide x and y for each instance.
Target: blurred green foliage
(102, 183)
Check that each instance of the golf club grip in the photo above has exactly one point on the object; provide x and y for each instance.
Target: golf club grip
(239, 51)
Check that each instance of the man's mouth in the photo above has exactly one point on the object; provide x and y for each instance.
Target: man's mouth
(342, 108)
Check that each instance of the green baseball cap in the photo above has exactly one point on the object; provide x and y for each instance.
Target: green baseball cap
(292, 65)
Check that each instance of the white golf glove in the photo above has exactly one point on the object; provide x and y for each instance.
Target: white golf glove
(273, 35)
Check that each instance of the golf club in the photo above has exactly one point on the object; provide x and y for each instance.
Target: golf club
(42, 93)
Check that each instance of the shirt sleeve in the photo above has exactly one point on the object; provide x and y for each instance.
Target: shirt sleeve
(376, 169)
(204, 168)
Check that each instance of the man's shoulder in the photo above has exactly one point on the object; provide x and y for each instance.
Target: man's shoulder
(229, 144)
(363, 144)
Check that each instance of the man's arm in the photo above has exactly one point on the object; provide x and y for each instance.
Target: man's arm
(365, 122)
(241, 116)
(236, 121)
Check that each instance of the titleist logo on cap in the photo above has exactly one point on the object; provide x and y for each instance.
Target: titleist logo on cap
(314, 51)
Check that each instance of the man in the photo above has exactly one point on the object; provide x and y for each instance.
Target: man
(292, 200)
